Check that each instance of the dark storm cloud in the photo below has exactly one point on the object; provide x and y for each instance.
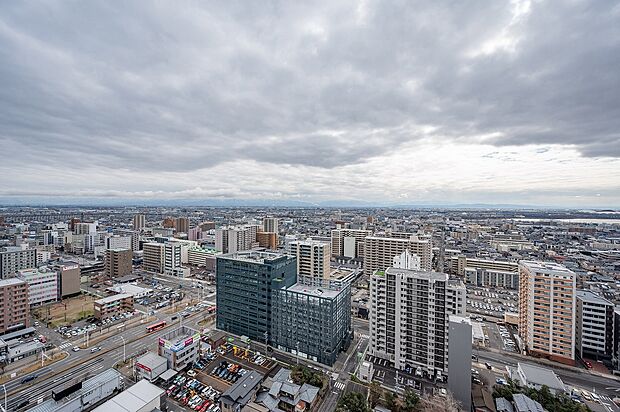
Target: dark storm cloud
(183, 86)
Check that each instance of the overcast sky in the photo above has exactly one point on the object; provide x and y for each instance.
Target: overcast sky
(390, 102)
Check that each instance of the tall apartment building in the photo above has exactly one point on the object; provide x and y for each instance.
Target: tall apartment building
(268, 240)
(139, 221)
(349, 242)
(594, 332)
(85, 228)
(270, 224)
(245, 281)
(236, 238)
(13, 259)
(409, 318)
(14, 306)
(118, 242)
(181, 224)
(380, 251)
(312, 258)
(547, 310)
(153, 257)
(43, 286)
(312, 319)
(118, 262)
(133, 234)
(163, 258)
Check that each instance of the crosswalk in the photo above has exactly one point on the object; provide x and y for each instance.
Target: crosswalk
(65, 345)
(339, 385)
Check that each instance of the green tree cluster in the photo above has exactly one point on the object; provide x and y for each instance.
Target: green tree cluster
(549, 401)
(301, 374)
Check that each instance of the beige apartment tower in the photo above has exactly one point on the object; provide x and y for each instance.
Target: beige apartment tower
(547, 310)
(379, 252)
(312, 258)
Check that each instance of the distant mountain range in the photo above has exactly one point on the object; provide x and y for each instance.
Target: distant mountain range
(55, 201)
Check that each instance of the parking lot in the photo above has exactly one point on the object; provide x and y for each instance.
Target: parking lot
(188, 392)
(489, 302)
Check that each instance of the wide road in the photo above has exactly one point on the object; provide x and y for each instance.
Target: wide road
(84, 364)
(585, 380)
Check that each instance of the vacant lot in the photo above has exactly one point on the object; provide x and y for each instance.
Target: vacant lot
(66, 312)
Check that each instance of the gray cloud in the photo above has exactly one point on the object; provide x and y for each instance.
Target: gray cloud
(182, 87)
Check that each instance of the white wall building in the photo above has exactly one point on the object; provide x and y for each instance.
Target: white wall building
(42, 285)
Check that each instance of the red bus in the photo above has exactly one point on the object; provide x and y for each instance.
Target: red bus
(156, 326)
(211, 309)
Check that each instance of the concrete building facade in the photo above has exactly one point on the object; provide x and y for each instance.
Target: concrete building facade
(13, 259)
(380, 251)
(594, 333)
(118, 262)
(349, 242)
(312, 319)
(547, 306)
(312, 258)
(14, 305)
(113, 305)
(409, 314)
(42, 283)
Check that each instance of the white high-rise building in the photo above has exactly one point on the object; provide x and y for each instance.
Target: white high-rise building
(409, 318)
(312, 258)
(118, 242)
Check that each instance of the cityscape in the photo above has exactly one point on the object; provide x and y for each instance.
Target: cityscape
(319, 206)
(310, 309)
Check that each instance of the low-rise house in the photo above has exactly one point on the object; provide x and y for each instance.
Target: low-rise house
(285, 395)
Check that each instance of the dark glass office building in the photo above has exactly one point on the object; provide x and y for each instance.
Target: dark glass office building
(312, 319)
(245, 282)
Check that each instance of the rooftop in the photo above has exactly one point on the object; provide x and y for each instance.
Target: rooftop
(546, 267)
(591, 297)
(420, 274)
(255, 257)
(314, 291)
(11, 282)
(240, 391)
(132, 399)
(113, 298)
(541, 376)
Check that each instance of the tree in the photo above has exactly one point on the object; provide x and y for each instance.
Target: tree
(374, 394)
(391, 401)
(353, 402)
(411, 401)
